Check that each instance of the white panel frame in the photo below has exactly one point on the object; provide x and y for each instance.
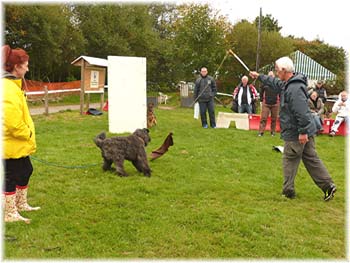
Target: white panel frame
(127, 95)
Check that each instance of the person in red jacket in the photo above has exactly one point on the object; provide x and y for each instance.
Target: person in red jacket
(245, 95)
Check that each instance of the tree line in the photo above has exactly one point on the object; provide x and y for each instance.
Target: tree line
(176, 40)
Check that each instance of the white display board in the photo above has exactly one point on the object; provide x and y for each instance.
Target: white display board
(94, 79)
(127, 95)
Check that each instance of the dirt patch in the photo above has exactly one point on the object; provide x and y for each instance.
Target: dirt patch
(166, 107)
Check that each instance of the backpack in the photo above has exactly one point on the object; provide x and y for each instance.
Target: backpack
(234, 106)
(92, 111)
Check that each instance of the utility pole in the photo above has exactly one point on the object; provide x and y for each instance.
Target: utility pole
(259, 42)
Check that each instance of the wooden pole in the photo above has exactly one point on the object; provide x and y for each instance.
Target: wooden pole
(46, 100)
(102, 99)
(259, 42)
(82, 90)
(88, 101)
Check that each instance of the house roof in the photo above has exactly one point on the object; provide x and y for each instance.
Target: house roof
(91, 60)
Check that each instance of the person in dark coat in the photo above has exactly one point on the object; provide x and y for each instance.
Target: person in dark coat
(204, 92)
(270, 101)
(321, 91)
(297, 128)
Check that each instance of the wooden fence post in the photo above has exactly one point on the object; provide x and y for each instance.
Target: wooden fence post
(102, 100)
(82, 86)
(46, 98)
(88, 101)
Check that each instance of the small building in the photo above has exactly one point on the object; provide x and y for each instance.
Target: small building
(186, 93)
(93, 76)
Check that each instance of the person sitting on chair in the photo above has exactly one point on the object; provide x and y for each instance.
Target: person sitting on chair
(317, 109)
(342, 108)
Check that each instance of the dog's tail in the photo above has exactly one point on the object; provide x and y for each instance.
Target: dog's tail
(99, 139)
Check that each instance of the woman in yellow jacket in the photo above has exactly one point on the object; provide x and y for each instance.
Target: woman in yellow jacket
(18, 135)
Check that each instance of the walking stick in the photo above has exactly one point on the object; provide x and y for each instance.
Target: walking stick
(216, 74)
(222, 62)
(239, 60)
(200, 94)
(218, 100)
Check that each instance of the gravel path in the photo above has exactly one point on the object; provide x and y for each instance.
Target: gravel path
(53, 109)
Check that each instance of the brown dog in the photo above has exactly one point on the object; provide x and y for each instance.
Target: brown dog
(151, 117)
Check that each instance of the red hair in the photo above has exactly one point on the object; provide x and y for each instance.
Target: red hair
(12, 57)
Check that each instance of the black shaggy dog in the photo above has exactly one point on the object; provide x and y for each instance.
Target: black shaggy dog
(120, 148)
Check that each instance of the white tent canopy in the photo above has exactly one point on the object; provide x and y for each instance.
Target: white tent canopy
(307, 66)
(313, 70)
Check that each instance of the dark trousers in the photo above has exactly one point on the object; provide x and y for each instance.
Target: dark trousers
(203, 107)
(266, 109)
(293, 153)
(17, 173)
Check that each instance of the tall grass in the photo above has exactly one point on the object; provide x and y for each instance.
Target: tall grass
(216, 194)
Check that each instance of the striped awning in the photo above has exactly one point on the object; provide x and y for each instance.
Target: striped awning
(306, 65)
(313, 70)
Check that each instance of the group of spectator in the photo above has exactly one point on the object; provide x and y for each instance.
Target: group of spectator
(316, 102)
(301, 117)
(245, 95)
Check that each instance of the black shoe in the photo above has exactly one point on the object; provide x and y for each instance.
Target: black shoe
(272, 134)
(260, 134)
(329, 194)
(289, 194)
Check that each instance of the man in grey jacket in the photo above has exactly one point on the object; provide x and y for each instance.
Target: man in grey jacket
(297, 128)
(204, 93)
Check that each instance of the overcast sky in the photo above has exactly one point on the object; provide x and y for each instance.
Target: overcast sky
(326, 20)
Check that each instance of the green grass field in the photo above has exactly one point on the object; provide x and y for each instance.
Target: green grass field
(216, 194)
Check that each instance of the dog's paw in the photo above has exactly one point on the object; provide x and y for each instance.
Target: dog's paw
(122, 175)
(105, 169)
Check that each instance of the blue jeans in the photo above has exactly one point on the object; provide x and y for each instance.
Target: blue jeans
(245, 108)
(318, 122)
(203, 107)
